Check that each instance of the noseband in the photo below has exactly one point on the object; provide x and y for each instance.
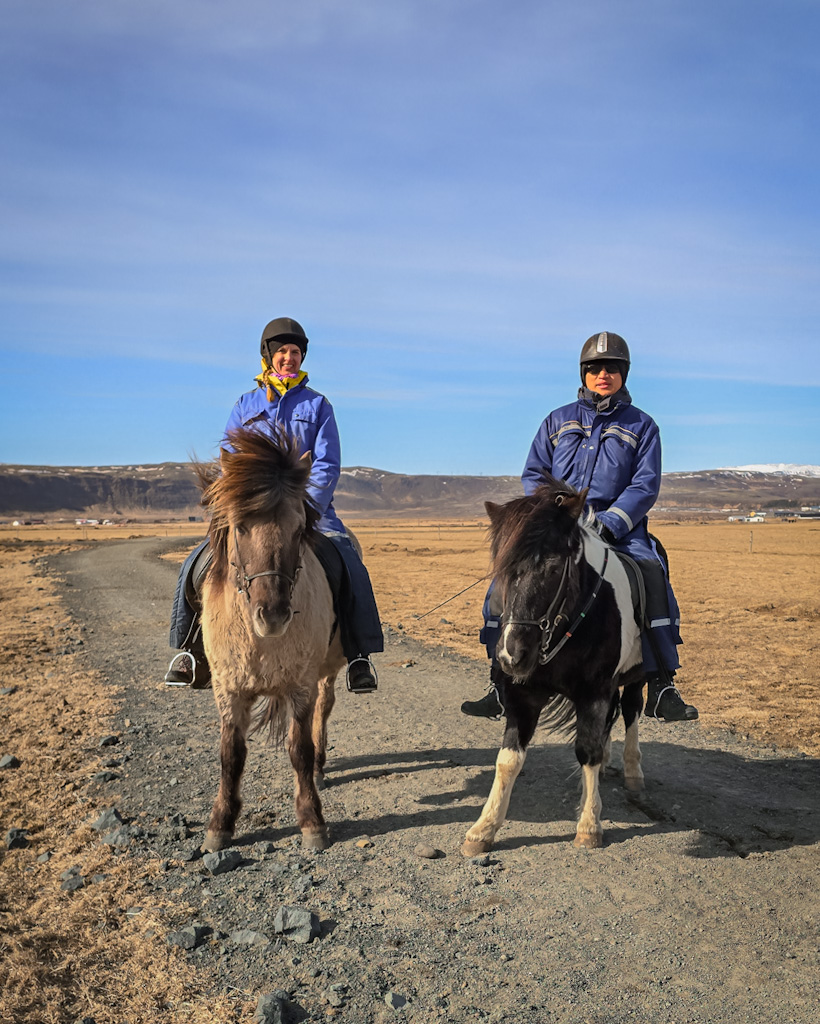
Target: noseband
(244, 580)
(549, 625)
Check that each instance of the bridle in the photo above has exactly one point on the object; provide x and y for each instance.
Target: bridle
(244, 579)
(550, 625)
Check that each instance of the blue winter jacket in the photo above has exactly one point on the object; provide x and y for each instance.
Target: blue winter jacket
(615, 451)
(308, 417)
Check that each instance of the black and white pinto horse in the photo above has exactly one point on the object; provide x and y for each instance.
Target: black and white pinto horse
(569, 642)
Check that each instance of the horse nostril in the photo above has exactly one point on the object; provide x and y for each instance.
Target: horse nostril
(268, 622)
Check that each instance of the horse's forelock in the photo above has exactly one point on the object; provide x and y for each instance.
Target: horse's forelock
(263, 472)
(530, 526)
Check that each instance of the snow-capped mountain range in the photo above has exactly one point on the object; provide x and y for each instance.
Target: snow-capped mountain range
(775, 469)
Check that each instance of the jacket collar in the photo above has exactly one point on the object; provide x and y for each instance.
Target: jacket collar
(604, 403)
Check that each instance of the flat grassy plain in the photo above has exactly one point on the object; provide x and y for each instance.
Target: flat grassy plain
(749, 598)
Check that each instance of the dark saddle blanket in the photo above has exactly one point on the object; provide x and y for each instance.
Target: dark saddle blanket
(636, 586)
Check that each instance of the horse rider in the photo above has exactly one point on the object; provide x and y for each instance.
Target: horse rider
(283, 400)
(603, 442)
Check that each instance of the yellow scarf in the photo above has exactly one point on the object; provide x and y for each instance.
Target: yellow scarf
(269, 379)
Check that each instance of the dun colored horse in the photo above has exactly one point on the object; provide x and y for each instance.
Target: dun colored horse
(268, 623)
(568, 642)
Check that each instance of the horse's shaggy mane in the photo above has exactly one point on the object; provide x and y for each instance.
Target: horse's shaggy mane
(261, 473)
(539, 525)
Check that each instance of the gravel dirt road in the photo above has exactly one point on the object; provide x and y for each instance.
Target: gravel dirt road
(702, 906)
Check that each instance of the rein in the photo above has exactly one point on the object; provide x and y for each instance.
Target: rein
(549, 626)
(244, 580)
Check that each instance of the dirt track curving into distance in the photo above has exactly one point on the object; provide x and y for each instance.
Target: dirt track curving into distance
(702, 906)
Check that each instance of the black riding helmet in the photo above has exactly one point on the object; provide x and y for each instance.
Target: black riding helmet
(604, 348)
(282, 331)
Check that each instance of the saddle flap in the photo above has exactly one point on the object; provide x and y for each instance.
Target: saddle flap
(636, 586)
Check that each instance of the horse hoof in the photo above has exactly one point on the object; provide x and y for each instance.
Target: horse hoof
(634, 785)
(319, 782)
(215, 841)
(589, 840)
(475, 849)
(315, 840)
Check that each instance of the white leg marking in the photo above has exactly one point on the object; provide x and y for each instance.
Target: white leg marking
(589, 831)
(633, 773)
(507, 766)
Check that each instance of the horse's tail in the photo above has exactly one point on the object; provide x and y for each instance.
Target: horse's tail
(558, 715)
(272, 714)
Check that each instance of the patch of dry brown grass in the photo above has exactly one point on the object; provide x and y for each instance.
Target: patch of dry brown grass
(67, 955)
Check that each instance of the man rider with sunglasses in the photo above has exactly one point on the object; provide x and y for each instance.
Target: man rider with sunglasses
(605, 443)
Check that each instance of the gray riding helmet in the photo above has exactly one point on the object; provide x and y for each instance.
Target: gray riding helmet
(282, 331)
(605, 347)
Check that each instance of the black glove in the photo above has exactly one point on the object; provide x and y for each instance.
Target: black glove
(604, 531)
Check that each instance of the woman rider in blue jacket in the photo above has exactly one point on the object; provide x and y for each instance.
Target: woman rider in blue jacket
(283, 400)
(603, 442)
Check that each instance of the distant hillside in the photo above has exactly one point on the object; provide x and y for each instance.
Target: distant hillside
(717, 489)
(170, 490)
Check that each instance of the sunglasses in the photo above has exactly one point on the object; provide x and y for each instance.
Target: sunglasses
(596, 367)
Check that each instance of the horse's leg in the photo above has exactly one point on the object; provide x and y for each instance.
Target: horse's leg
(308, 805)
(632, 705)
(521, 723)
(589, 749)
(321, 713)
(614, 711)
(234, 714)
(607, 758)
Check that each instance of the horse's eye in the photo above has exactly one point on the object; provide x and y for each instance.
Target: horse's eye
(241, 530)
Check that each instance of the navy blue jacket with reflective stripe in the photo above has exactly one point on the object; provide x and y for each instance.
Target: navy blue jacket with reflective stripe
(615, 453)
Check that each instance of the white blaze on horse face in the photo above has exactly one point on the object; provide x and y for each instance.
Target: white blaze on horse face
(507, 652)
(616, 577)
(501, 652)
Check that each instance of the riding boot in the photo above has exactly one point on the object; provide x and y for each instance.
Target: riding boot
(361, 676)
(190, 668)
(488, 707)
(663, 700)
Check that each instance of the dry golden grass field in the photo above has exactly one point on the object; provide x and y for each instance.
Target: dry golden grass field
(751, 624)
(749, 597)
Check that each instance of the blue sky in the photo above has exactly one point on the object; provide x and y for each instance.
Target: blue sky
(450, 196)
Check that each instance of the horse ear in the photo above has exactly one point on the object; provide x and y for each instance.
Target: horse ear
(493, 510)
(572, 503)
(306, 457)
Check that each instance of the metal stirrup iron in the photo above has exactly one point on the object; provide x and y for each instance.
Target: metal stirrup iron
(352, 688)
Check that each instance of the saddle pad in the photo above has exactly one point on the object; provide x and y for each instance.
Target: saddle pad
(636, 586)
(331, 561)
(196, 576)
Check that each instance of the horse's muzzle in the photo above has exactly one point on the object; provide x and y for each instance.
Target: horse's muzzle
(269, 623)
(516, 653)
